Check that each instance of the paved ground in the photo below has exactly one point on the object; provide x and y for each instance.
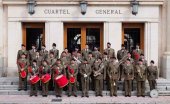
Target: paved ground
(25, 99)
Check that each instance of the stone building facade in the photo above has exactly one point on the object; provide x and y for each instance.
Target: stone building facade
(59, 21)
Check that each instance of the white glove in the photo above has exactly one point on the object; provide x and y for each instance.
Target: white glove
(85, 75)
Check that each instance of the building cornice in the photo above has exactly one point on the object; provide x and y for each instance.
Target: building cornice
(90, 2)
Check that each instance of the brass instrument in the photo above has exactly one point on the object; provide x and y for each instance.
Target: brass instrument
(96, 74)
(78, 61)
(123, 59)
(140, 73)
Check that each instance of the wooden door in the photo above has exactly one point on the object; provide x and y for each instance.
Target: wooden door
(34, 28)
(133, 29)
(84, 29)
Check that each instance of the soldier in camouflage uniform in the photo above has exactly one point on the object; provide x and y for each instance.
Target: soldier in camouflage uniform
(145, 62)
(51, 61)
(141, 76)
(128, 75)
(106, 61)
(43, 53)
(72, 71)
(120, 54)
(90, 61)
(55, 51)
(85, 71)
(114, 74)
(21, 51)
(85, 52)
(152, 75)
(136, 53)
(32, 53)
(67, 54)
(110, 51)
(64, 59)
(98, 71)
(33, 72)
(58, 69)
(22, 64)
(96, 53)
(38, 58)
(45, 69)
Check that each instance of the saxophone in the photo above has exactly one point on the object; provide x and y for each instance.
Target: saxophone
(140, 73)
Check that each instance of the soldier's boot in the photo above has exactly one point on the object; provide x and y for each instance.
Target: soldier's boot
(31, 92)
(69, 90)
(115, 91)
(111, 91)
(25, 84)
(87, 94)
(126, 94)
(83, 94)
(36, 90)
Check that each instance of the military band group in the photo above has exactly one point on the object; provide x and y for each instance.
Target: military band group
(84, 70)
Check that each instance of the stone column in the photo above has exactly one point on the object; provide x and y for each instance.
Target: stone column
(115, 35)
(166, 56)
(1, 38)
(54, 34)
(14, 44)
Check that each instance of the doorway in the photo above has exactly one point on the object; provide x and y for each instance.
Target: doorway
(33, 33)
(133, 34)
(80, 34)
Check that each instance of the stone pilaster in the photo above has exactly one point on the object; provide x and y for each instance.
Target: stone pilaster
(1, 38)
(166, 56)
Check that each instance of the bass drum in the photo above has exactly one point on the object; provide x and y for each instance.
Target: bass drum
(154, 93)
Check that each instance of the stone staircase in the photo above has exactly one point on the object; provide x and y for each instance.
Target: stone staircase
(9, 86)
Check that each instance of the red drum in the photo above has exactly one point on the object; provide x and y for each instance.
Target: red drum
(23, 74)
(61, 81)
(34, 79)
(72, 80)
(45, 78)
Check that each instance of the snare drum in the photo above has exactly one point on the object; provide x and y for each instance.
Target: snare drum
(46, 78)
(23, 74)
(72, 80)
(34, 79)
(61, 81)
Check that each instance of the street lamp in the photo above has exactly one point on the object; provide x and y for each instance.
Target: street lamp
(31, 5)
(83, 6)
(134, 5)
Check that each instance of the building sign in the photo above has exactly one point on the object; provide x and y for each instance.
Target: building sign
(74, 12)
(108, 11)
(56, 11)
(98, 11)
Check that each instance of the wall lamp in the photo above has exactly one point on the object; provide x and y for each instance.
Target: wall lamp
(83, 6)
(134, 5)
(31, 6)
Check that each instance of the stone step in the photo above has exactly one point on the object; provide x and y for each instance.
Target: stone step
(91, 93)
(8, 87)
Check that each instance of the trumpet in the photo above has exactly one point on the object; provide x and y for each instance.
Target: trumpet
(78, 61)
(96, 74)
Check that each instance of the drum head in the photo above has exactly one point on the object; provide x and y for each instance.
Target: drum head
(154, 93)
(59, 77)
